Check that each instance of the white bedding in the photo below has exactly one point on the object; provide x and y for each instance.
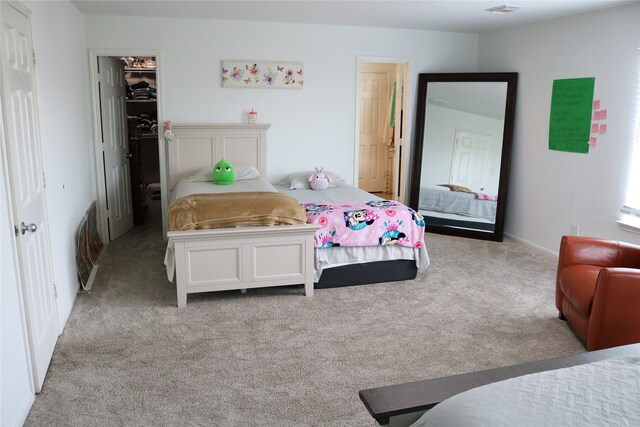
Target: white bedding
(340, 193)
(338, 256)
(605, 393)
(185, 188)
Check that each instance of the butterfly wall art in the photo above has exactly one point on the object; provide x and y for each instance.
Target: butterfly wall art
(262, 74)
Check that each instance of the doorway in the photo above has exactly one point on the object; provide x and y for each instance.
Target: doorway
(129, 152)
(469, 165)
(381, 127)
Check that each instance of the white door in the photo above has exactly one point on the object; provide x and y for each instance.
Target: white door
(374, 100)
(470, 160)
(27, 188)
(115, 145)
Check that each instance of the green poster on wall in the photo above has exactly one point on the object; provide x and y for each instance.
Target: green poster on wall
(570, 122)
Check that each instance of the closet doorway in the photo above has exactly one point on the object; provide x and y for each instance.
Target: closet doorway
(381, 126)
(128, 142)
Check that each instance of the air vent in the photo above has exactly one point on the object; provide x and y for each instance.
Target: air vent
(503, 9)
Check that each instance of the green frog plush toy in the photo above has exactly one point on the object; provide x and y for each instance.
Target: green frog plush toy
(223, 173)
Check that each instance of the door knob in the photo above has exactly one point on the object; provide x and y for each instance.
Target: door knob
(30, 228)
(129, 155)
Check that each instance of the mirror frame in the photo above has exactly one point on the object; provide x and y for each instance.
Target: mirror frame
(423, 81)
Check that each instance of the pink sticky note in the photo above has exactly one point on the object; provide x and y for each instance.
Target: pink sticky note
(592, 141)
(596, 104)
(603, 114)
(603, 128)
(596, 115)
(594, 128)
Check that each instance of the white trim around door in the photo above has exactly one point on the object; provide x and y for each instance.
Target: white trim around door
(407, 106)
(97, 131)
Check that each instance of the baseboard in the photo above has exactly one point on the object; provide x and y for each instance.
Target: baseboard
(65, 318)
(23, 412)
(531, 244)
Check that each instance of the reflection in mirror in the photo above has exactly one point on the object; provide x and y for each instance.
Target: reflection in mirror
(461, 152)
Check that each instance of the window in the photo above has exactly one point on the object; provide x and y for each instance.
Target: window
(630, 212)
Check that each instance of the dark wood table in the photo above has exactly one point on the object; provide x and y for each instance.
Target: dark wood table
(409, 400)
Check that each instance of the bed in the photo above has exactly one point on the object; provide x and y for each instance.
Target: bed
(239, 257)
(475, 210)
(336, 266)
(249, 257)
(593, 388)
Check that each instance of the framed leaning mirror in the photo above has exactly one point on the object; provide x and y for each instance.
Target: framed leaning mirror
(461, 151)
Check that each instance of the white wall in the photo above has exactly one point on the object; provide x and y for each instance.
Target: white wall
(67, 139)
(310, 127)
(61, 79)
(440, 135)
(550, 190)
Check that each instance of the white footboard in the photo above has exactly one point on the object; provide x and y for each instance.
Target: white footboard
(243, 258)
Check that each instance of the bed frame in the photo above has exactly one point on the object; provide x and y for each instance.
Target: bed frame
(233, 258)
(401, 405)
(460, 223)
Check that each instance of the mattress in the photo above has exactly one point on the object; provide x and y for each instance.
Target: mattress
(340, 256)
(455, 202)
(605, 393)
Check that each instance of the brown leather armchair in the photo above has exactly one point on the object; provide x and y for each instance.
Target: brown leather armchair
(598, 290)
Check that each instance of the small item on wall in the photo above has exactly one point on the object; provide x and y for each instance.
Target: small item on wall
(262, 74)
(570, 121)
(253, 116)
(599, 115)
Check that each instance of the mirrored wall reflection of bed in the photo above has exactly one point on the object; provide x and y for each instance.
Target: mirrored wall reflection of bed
(462, 146)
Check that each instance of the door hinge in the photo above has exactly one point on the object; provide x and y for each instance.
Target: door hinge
(55, 290)
(44, 180)
(33, 52)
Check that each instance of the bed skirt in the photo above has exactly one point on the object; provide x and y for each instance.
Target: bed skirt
(367, 273)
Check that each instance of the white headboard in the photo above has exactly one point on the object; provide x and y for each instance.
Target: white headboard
(195, 146)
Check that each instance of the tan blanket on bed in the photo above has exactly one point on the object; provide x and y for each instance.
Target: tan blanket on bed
(204, 211)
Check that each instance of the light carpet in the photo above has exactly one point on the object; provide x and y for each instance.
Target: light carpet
(129, 357)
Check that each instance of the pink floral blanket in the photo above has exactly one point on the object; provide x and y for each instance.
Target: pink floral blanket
(374, 223)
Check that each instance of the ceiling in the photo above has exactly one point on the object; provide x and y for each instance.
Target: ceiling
(440, 15)
(481, 98)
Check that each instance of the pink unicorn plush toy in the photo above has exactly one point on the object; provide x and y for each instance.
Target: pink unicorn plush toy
(167, 130)
(319, 180)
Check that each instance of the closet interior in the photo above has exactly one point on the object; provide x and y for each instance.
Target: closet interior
(142, 123)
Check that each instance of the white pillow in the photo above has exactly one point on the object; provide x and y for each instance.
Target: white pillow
(243, 172)
(300, 180)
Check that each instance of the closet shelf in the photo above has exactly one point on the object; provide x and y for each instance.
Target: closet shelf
(141, 100)
(140, 70)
